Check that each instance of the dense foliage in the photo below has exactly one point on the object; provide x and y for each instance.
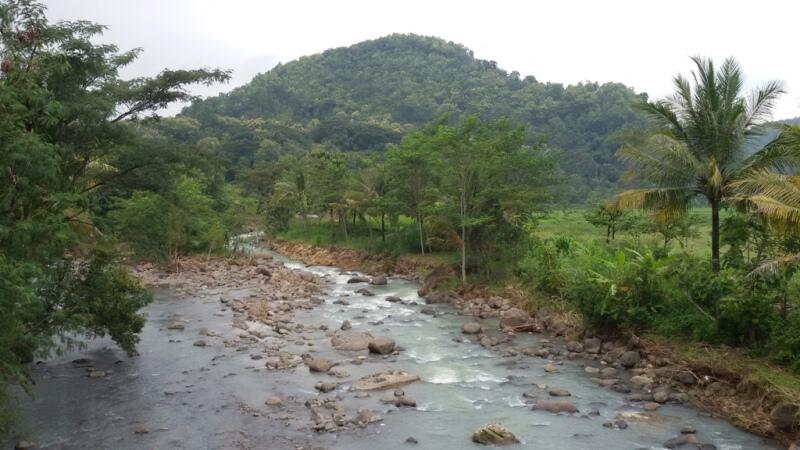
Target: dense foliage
(367, 96)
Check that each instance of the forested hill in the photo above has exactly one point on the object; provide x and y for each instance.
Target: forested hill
(368, 95)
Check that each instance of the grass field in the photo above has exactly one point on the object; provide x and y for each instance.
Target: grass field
(572, 223)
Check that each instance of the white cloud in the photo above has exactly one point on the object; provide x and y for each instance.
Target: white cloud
(641, 44)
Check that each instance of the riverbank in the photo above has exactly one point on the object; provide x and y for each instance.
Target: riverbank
(750, 393)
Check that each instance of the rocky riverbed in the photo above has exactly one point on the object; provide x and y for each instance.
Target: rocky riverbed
(264, 352)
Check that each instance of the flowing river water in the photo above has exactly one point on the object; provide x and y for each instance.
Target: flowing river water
(179, 396)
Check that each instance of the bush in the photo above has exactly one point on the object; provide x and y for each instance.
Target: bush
(541, 268)
(183, 220)
(784, 345)
(621, 291)
(149, 224)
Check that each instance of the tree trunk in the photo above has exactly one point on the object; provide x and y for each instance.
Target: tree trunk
(715, 235)
(421, 239)
(608, 234)
(344, 224)
(463, 239)
(383, 227)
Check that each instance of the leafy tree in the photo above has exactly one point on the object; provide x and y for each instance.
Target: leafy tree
(66, 137)
(700, 149)
(678, 228)
(415, 173)
(490, 178)
(610, 216)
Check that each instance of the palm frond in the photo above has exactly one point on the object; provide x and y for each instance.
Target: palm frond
(761, 102)
(661, 160)
(667, 201)
(775, 266)
(782, 154)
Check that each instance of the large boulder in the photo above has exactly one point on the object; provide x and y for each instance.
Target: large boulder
(494, 434)
(381, 345)
(629, 359)
(785, 417)
(514, 318)
(471, 328)
(351, 340)
(591, 345)
(556, 406)
(318, 364)
(379, 280)
(384, 380)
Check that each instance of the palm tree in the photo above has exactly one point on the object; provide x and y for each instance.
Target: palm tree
(700, 149)
(291, 191)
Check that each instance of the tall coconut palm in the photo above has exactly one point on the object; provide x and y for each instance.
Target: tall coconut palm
(700, 148)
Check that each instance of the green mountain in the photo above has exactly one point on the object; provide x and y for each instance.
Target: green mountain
(368, 95)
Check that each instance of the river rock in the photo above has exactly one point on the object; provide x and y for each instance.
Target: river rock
(591, 345)
(680, 441)
(436, 298)
(379, 280)
(358, 279)
(199, 343)
(471, 328)
(574, 347)
(365, 292)
(381, 345)
(351, 340)
(366, 416)
(325, 386)
(686, 378)
(176, 325)
(550, 368)
(608, 372)
(318, 364)
(402, 401)
(274, 401)
(384, 380)
(651, 406)
(345, 325)
(785, 416)
(559, 393)
(661, 396)
(629, 359)
(494, 434)
(24, 445)
(393, 299)
(556, 406)
(514, 318)
(641, 380)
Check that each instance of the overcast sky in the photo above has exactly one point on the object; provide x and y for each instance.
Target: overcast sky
(640, 43)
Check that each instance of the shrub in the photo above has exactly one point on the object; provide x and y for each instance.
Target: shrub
(784, 345)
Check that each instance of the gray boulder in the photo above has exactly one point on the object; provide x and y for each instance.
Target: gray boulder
(381, 345)
(351, 340)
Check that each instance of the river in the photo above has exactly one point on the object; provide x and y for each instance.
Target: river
(176, 395)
